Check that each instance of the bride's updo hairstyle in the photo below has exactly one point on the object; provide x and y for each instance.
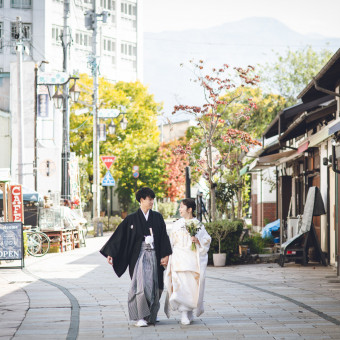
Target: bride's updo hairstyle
(190, 203)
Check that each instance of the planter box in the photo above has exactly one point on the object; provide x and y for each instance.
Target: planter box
(219, 259)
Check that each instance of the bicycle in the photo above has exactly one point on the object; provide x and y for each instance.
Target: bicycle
(38, 243)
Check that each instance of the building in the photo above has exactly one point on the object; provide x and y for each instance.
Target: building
(306, 153)
(119, 51)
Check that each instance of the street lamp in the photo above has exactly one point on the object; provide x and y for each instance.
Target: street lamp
(58, 99)
(112, 128)
(74, 92)
(123, 123)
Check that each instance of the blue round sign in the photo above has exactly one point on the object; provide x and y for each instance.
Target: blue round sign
(135, 174)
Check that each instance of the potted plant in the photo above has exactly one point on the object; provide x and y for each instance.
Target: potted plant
(219, 230)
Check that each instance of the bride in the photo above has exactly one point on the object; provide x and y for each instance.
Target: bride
(184, 278)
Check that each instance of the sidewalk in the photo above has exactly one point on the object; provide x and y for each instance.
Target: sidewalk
(261, 301)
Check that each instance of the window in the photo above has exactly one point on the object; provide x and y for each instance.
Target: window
(0, 3)
(83, 40)
(128, 15)
(128, 8)
(110, 5)
(57, 32)
(21, 3)
(26, 31)
(129, 49)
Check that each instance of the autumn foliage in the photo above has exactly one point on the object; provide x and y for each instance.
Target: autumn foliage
(223, 90)
(174, 176)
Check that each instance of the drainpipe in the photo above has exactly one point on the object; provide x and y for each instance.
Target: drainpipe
(334, 167)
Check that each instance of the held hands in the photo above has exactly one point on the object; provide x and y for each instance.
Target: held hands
(164, 261)
(110, 260)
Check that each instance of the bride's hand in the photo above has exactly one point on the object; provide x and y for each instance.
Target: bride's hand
(195, 240)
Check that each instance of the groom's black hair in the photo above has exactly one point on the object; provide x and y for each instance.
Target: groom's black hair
(144, 193)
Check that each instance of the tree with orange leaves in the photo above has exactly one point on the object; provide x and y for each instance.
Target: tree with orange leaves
(175, 163)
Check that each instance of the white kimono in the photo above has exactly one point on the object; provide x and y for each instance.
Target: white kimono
(184, 277)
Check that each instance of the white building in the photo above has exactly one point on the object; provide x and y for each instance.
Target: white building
(120, 58)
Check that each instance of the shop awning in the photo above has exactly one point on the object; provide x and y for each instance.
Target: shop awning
(303, 147)
(244, 170)
(274, 157)
(335, 128)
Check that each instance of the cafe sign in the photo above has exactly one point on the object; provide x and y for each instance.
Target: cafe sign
(17, 203)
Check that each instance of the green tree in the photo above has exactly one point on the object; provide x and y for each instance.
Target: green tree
(210, 148)
(292, 71)
(136, 145)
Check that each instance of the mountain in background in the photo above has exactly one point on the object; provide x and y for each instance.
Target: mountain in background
(249, 41)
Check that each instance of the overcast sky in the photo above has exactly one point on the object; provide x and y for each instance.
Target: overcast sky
(303, 16)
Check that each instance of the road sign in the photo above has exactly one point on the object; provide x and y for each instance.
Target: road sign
(135, 174)
(135, 168)
(108, 161)
(108, 180)
(108, 113)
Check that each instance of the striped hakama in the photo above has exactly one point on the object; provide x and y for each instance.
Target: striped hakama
(143, 297)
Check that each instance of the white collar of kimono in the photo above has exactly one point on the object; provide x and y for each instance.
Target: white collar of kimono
(146, 215)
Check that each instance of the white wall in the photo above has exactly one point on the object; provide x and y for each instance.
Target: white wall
(265, 193)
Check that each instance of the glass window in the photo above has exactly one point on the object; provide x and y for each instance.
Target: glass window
(21, 3)
(109, 45)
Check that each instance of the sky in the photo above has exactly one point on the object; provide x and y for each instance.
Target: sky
(302, 16)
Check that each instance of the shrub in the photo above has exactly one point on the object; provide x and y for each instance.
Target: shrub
(228, 232)
(108, 224)
(256, 243)
(167, 209)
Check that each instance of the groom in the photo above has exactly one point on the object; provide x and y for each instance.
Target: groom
(141, 243)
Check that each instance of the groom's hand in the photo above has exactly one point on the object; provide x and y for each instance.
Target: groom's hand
(110, 260)
(164, 261)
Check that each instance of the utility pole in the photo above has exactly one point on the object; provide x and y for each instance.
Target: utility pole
(65, 156)
(91, 23)
(96, 187)
(20, 116)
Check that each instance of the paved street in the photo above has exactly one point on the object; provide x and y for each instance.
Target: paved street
(76, 295)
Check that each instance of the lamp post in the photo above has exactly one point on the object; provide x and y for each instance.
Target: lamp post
(52, 80)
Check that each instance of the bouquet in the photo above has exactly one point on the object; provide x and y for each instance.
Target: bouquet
(193, 228)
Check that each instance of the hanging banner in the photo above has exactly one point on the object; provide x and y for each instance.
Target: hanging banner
(43, 105)
(17, 203)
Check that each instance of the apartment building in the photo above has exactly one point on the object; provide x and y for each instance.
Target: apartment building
(119, 52)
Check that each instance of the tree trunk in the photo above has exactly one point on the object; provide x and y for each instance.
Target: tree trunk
(239, 203)
(213, 201)
(232, 209)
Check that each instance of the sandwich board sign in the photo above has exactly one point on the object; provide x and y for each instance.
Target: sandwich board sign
(11, 242)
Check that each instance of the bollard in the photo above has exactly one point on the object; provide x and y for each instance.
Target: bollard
(99, 228)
